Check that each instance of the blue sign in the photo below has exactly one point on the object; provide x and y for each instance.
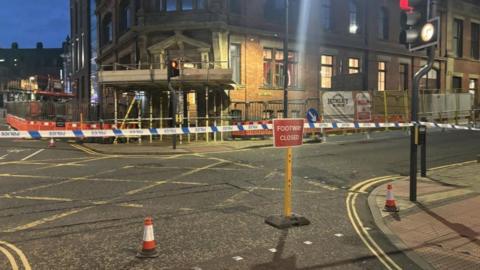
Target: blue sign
(312, 115)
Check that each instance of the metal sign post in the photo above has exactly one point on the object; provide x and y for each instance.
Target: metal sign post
(287, 133)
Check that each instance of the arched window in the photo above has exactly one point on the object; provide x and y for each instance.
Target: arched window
(383, 23)
(107, 29)
(125, 16)
(353, 17)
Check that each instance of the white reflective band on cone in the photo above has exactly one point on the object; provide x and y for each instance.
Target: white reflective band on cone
(148, 233)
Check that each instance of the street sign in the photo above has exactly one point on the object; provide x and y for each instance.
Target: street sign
(288, 132)
(312, 115)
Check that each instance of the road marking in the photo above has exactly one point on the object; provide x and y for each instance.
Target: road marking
(237, 258)
(273, 250)
(45, 220)
(75, 163)
(339, 234)
(308, 242)
(135, 191)
(10, 258)
(4, 156)
(358, 225)
(32, 155)
(89, 151)
(20, 254)
(34, 198)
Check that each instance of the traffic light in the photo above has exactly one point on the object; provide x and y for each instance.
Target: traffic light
(418, 30)
(173, 68)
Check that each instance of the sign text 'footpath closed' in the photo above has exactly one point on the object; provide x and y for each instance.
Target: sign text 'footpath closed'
(288, 132)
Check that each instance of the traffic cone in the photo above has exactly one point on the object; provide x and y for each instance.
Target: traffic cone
(149, 245)
(51, 143)
(390, 205)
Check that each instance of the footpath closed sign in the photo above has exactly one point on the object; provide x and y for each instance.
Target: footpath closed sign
(288, 132)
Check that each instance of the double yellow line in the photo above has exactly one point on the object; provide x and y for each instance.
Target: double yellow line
(86, 150)
(357, 222)
(11, 258)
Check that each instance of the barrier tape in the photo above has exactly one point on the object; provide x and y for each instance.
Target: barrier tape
(100, 133)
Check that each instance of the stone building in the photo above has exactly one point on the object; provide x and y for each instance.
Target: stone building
(233, 50)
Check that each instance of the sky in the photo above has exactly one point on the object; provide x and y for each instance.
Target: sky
(30, 21)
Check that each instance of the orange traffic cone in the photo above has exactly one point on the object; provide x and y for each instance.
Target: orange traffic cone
(390, 205)
(51, 143)
(149, 245)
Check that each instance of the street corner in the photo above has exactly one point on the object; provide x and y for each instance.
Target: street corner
(442, 220)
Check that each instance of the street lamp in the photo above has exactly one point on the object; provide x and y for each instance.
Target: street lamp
(285, 64)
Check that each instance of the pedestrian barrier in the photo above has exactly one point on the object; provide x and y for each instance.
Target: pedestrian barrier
(104, 133)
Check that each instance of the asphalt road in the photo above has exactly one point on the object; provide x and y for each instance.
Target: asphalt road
(63, 208)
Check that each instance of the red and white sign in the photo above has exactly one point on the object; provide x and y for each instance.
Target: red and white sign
(288, 132)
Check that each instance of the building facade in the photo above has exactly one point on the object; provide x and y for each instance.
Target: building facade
(335, 45)
(21, 63)
(83, 47)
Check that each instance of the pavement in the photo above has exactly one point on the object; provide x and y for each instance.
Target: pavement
(442, 229)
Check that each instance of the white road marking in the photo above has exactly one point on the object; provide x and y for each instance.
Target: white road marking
(32, 155)
(273, 250)
(339, 234)
(237, 258)
(307, 242)
(4, 156)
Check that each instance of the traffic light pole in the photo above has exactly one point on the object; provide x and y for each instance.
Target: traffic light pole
(414, 138)
(285, 63)
(173, 103)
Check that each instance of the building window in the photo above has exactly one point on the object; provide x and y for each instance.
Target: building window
(353, 17)
(267, 67)
(201, 4)
(187, 5)
(326, 71)
(382, 75)
(456, 83)
(125, 16)
(403, 77)
(171, 5)
(353, 65)
(292, 69)
(473, 85)
(107, 29)
(430, 81)
(235, 62)
(475, 41)
(383, 24)
(235, 6)
(273, 68)
(325, 14)
(160, 5)
(458, 37)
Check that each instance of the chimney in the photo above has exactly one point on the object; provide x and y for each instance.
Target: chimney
(15, 45)
(39, 45)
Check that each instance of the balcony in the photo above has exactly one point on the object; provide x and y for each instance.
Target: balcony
(192, 76)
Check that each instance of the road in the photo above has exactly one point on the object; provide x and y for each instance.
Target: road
(65, 208)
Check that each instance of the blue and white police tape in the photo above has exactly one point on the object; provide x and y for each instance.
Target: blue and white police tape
(99, 133)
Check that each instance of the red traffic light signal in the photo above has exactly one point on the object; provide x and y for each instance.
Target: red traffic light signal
(173, 68)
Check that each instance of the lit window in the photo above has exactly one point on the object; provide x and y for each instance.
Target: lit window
(326, 71)
(273, 68)
(2, 60)
(382, 73)
(473, 85)
(353, 65)
(353, 17)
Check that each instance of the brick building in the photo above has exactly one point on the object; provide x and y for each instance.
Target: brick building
(341, 45)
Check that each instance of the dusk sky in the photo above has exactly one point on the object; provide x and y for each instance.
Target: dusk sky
(30, 21)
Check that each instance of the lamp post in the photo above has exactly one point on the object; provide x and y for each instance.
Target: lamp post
(285, 64)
